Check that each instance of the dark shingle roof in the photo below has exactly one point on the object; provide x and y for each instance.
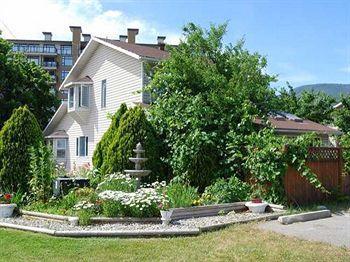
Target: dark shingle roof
(141, 50)
(293, 124)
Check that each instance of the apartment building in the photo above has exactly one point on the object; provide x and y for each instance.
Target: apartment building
(55, 56)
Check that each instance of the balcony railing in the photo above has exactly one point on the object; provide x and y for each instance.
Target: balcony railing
(49, 64)
(35, 49)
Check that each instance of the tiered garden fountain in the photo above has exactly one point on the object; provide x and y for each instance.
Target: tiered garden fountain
(138, 172)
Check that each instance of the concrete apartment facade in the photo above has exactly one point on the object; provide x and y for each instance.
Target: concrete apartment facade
(55, 56)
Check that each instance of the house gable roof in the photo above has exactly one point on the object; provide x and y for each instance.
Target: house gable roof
(288, 123)
(140, 52)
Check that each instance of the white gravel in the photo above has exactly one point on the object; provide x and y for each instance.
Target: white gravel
(179, 225)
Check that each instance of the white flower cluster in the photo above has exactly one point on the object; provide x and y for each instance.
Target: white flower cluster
(155, 185)
(83, 205)
(122, 178)
(141, 199)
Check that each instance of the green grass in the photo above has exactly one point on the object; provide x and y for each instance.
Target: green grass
(236, 243)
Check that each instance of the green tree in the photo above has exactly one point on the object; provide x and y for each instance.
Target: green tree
(315, 106)
(42, 168)
(287, 100)
(20, 132)
(312, 105)
(24, 83)
(100, 152)
(133, 128)
(342, 115)
(200, 91)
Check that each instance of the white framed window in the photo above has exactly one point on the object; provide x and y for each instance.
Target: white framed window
(61, 146)
(103, 93)
(83, 96)
(82, 144)
(71, 98)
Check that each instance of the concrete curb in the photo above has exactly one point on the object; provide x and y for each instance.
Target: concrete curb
(111, 220)
(28, 228)
(133, 234)
(128, 234)
(223, 225)
(302, 217)
(72, 220)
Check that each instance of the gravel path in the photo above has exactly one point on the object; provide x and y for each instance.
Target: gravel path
(179, 225)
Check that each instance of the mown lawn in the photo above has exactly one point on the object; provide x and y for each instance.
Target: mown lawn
(239, 242)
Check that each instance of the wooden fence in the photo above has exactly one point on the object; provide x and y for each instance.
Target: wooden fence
(327, 164)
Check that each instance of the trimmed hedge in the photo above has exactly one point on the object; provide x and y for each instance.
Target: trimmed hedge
(133, 128)
(100, 152)
(18, 135)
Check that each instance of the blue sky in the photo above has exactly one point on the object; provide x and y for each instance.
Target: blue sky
(305, 42)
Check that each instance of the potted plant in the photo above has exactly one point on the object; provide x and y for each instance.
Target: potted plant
(256, 205)
(165, 212)
(6, 207)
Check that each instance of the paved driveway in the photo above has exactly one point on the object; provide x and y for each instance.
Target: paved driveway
(334, 230)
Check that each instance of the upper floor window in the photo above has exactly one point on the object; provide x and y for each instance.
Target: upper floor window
(34, 59)
(82, 146)
(32, 48)
(67, 60)
(83, 93)
(49, 49)
(103, 93)
(64, 74)
(66, 49)
(71, 97)
(78, 96)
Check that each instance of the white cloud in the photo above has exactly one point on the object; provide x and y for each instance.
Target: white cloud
(27, 19)
(345, 69)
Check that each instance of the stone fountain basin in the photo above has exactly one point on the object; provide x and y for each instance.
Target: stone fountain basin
(137, 159)
(138, 172)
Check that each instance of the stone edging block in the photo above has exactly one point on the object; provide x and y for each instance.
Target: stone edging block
(302, 217)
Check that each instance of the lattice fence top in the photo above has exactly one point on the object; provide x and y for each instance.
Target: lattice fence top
(324, 153)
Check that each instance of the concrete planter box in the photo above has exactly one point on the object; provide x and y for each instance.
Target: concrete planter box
(6, 210)
(256, 208)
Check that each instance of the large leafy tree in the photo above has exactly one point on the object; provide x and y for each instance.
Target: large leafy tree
(24, 83)
(312, 105)
(20, 133)
(342, 115)
(203, 91)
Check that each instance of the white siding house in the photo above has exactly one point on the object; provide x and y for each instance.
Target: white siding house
(107, 73)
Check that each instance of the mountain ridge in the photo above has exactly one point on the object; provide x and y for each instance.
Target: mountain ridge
(332, 89)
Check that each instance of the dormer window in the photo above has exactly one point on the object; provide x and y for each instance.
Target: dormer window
(78, 96)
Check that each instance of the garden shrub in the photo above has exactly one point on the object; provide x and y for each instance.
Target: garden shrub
(268, 159)
(181, 195)
(226, 191)
(344, 142)
(134, 128)
(42, 168)
(100, 152)
(19, 133)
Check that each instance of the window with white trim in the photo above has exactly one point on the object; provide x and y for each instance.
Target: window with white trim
(61, 148)
(103, 93)
(82, 146)
(71, 98)
(83, 95)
